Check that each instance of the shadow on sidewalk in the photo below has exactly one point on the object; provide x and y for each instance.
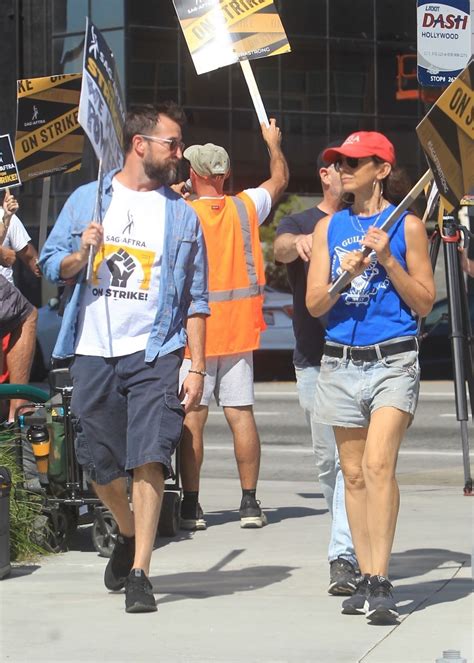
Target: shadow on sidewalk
(20, 570)
(274, 515)
(81, 539)
(423, 595)
(419, 561)
(218, 582)
(311, 496)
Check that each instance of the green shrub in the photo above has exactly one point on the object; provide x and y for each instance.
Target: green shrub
(25, 506)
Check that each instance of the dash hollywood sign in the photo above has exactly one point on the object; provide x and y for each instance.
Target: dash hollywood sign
(434, 19)
(444, 41)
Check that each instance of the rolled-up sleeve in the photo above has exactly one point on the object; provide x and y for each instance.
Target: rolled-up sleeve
(59, 243)
(198, 275)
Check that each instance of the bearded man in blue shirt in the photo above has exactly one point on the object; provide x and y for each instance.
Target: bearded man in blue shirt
(126, 329)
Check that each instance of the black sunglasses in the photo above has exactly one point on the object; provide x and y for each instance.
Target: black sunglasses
(351, 162)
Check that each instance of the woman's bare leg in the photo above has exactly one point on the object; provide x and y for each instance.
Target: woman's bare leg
(351, 446)
(386, 431)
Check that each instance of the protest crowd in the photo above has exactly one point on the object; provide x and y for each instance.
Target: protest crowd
(163, 308)
(136, 394)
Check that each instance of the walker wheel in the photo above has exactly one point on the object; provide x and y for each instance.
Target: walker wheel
(169, 518)
(104, 533)
(57, 529)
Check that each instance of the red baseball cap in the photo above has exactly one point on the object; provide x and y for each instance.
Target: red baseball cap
(362, 144)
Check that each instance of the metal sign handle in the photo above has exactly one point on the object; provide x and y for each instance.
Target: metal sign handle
(98, 219)
(254, 92)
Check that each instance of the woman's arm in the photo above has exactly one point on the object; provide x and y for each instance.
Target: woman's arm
(416, 285)
(318, 300)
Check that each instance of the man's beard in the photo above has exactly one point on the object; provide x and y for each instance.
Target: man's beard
(165, 173)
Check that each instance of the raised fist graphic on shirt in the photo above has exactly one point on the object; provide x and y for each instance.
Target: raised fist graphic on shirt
(121, 265)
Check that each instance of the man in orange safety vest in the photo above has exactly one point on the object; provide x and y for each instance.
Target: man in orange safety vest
(230, 226)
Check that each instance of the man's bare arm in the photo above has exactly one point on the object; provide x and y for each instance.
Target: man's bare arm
(279, 173)
(194, 382)
(7, 257)
(288, 247)
(29, 256)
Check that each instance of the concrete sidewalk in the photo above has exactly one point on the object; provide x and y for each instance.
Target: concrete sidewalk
(251, 596)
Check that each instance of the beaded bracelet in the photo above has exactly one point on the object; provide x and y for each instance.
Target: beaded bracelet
(203, 373)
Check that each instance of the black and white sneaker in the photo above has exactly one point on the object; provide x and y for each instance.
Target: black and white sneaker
(342, 577)
(251, 514)
(139, 593)
(192, 517)
(380, 606)
(355, 604)
(120, 563)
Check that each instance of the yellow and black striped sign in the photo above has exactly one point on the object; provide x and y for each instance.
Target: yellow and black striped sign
(446, 134)
(49, 138)
(221, 32)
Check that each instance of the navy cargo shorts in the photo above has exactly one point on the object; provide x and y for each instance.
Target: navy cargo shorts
(127, 413)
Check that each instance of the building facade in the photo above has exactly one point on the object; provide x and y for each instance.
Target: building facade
(351, 68)
(342, 74)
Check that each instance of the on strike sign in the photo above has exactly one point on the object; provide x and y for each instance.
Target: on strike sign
(220, 32)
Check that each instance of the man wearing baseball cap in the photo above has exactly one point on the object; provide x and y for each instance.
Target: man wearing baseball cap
(230, 226)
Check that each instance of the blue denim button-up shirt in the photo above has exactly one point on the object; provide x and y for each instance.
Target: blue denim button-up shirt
(183, 282)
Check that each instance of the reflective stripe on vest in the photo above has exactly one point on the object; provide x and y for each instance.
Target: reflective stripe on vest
(254, 289)
(236, 293)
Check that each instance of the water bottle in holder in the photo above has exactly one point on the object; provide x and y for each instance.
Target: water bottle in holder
(38, 437)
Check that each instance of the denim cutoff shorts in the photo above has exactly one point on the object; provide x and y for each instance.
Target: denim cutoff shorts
(348, 391)
(126, 412)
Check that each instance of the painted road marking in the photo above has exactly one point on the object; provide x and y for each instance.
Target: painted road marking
(309, 452)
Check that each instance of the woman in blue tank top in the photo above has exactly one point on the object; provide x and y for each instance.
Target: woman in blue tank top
(369, 380)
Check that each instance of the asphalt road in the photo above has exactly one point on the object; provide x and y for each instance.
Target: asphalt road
(431, 451)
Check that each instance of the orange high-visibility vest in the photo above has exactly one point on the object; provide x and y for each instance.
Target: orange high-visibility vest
(236, 273)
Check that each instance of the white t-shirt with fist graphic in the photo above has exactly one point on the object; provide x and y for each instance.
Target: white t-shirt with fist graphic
(119, 305)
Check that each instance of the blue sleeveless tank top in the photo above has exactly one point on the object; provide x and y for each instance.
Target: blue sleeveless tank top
(370, 311)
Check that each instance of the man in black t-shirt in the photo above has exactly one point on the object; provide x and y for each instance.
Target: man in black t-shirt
(292, 246)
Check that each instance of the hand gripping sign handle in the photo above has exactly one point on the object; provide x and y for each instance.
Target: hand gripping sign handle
(254, 92)
(345, 278)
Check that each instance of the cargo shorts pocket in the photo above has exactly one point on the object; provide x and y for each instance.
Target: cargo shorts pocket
(172, 421)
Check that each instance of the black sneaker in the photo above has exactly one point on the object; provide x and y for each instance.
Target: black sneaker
(251, 515)
(355, 604)
(380, 606)
(192, 518)
(342, 577)
(120, 563)
(139, 593)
